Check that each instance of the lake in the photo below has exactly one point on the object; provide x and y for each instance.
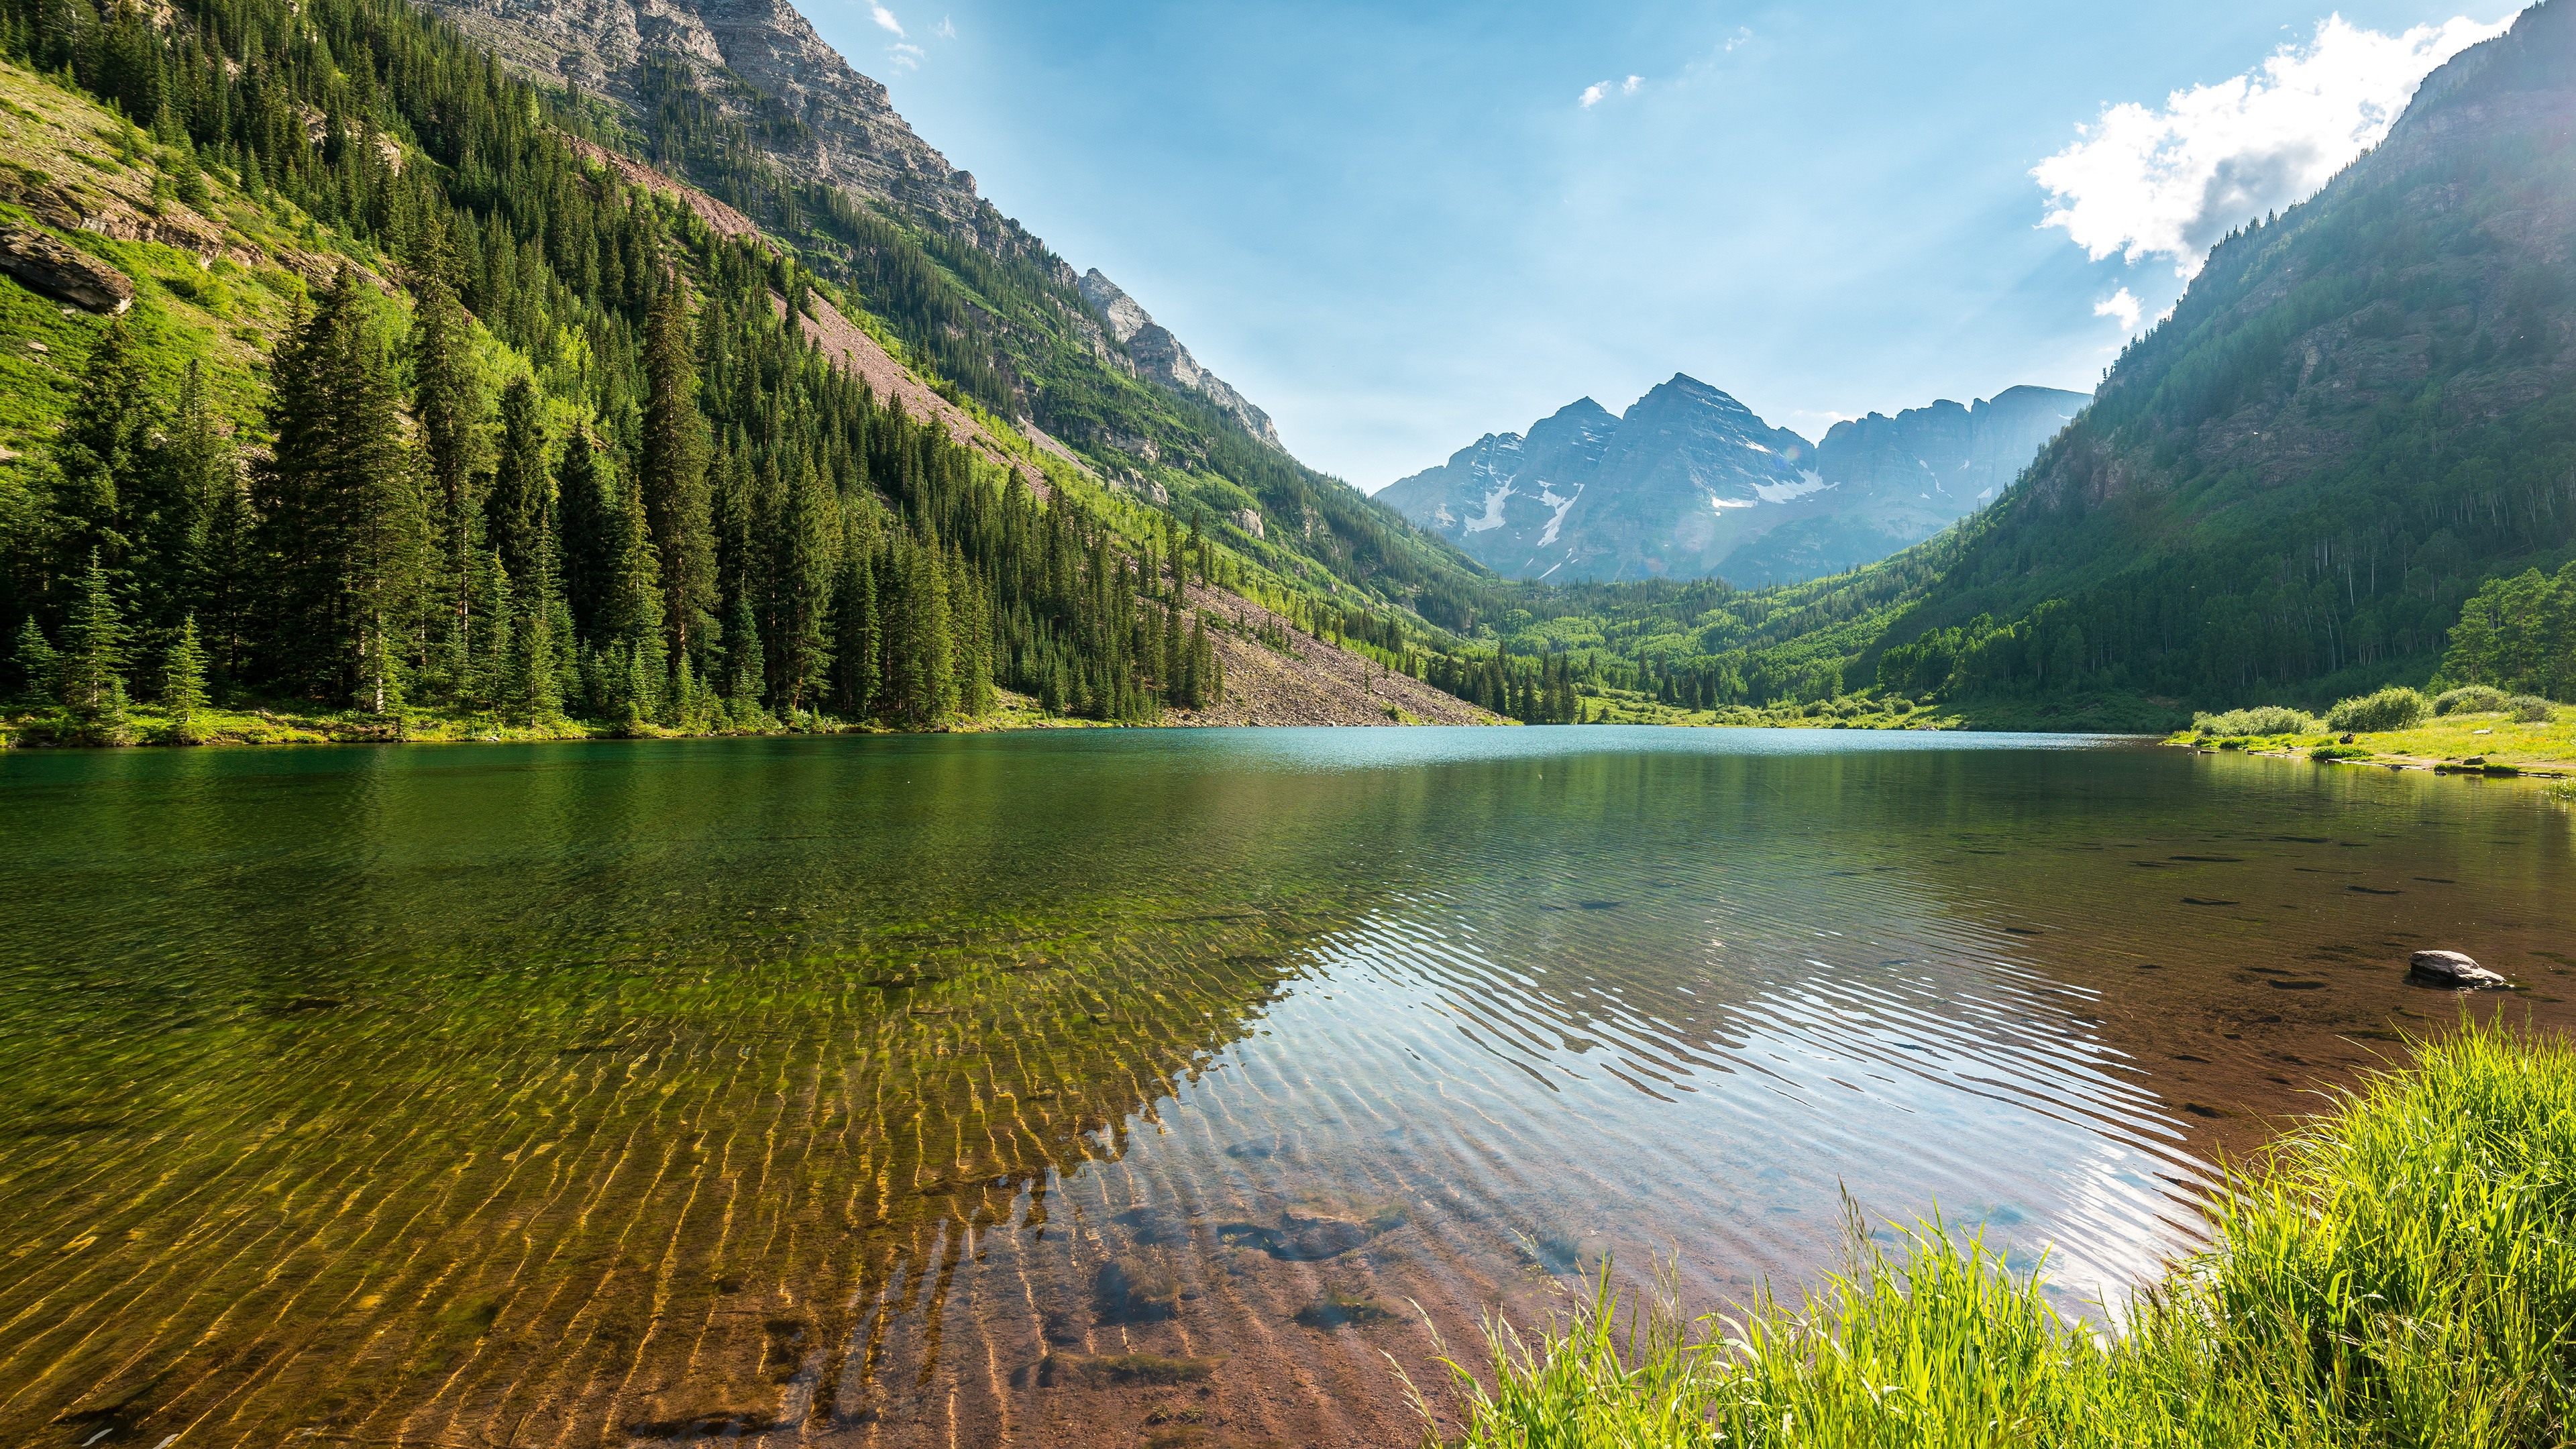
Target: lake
(1129, 1087)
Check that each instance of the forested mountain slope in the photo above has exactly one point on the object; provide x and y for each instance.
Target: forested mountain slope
(744, 99)
(349, 380)
(2360, 410)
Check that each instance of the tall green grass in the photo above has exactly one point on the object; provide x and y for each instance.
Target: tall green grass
(2399, 1272)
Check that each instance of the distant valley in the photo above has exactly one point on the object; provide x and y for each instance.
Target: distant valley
(1689, 483)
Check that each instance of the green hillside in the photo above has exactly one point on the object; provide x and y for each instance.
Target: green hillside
(998, 323)
(2358, 413)
(415, 409)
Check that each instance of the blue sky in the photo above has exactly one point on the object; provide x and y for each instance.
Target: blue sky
(1398, 227)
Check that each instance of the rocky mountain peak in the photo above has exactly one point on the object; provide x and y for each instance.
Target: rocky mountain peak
(1691, 482)
(818, 119)
(1160, 356)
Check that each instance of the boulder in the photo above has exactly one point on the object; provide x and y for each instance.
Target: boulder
(1313, 1239)
(2450, 968)
(50, 266)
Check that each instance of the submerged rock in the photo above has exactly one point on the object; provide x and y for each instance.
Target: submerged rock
(2451, 968)
(50, 266)
(1300, 1237)
(1133, 1289)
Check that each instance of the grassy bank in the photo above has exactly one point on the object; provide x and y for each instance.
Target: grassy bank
(2465, 741)
(2399, 1272)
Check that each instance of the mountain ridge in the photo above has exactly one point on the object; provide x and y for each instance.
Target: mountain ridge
(1691, 483)
(2359, 410)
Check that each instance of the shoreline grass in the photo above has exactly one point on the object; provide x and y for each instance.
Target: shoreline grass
(2399, 1271)
(2453, 741)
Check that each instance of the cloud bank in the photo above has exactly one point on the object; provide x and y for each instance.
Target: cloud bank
(2170, 182)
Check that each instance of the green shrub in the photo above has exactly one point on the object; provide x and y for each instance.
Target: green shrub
(2262, 719)
(1900, 705)
(2470, 699)
(2393, 708)
(2531, 709)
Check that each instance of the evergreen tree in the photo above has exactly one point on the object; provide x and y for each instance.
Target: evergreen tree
(100, 458)
(174, 510)
(808, 559)
(970, 640)
(447, 401)
(39, 668)
(855, 633)
(340, 509)
(491, 670)
(591, 538)
(183, 681)
(675, 472)
(231, 560)
(521, 503)
(535, 691)
(94, 657)
(743, 685)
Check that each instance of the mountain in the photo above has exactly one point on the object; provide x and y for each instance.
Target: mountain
(758, 62)
(1160, 356)
(441, 414)
(742, 100)
(1689, 483)
(2360, 410)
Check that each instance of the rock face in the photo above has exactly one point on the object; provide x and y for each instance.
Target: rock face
(54, 268)
(2450, 968)
(1160, 356)
(850, 134)
(1690, 483)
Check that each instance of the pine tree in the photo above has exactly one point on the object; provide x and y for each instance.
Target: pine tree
(448, 402)
(39, 668)
(535, 693)
(93, 659)
(744, 676)
(100, 457)
(808, 555)
(341, 513)
(970, 640)
(517, 512)
(230, 564)
(856, 636)
(183, 681)
(489, 671)
(173, 509)
(590, 533)
(675, 471)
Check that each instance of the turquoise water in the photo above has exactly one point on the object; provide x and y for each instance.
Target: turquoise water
(897, 1090)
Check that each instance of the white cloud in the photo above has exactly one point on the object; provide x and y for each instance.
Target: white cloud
(947, 29)
(2122, 305)
(2169, 183)
(907, 55)
(1629, 86)
(885, 18)
(1742, 34)
(1593, 93)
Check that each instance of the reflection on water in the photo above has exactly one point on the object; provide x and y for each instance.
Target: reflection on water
(1072, 1089)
